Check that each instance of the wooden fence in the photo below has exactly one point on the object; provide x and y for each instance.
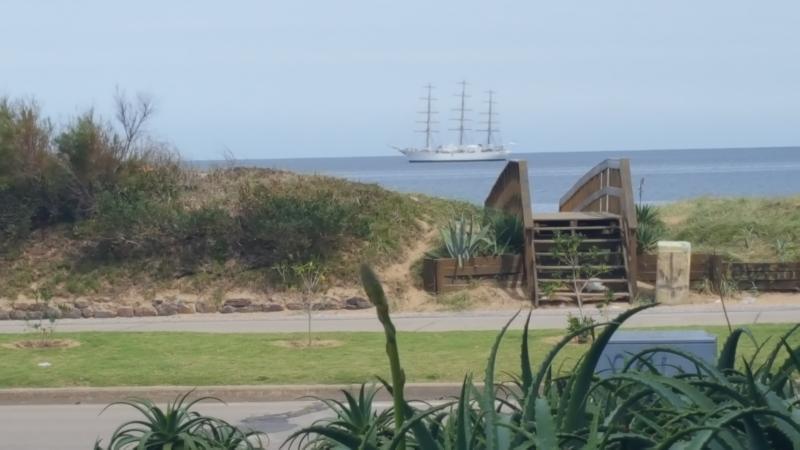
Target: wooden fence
(443, 275)
(763, 276)
(699, 270)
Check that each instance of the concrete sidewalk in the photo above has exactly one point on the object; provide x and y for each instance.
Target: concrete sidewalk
(241, 393)
(292, 322)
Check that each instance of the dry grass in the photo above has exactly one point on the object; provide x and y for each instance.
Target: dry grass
(51, 258)
(748, 229)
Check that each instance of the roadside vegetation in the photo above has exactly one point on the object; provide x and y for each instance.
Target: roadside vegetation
(747, 399)
(712, 405)
(93, 207)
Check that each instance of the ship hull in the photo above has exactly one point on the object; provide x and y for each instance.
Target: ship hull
(423, 156)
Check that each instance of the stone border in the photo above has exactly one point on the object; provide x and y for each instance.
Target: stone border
(229, 394)
(106, 308)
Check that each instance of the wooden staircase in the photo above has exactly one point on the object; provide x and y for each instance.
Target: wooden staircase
(599, 208)
(603, 244)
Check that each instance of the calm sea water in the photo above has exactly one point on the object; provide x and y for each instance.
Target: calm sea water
(668, 175)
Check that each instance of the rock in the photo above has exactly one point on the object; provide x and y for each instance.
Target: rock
(238, 302)
(87, 312)
(35, 315)
(4, 314)
(70, 312)
(18, 315)
(167, 309)
(102, 313)
(185, 308)
(326, 304)
(203, 307)
(272, 307)
(52, 312)
(124, 311)
(227, 309)
(29, 306)
(295, 306)
(82, 303)
(144, 311)
(357, 303)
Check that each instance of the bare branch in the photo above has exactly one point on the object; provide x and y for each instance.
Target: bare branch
(132, 115)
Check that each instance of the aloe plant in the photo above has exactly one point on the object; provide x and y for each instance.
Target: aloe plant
(355, 421)
(178, 427)
(464, 239)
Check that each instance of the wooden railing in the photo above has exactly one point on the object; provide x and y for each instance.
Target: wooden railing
(608, 188)
(511, 194)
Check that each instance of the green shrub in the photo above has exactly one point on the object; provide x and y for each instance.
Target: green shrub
(135, 224)
(286, 227)
(46, 180)
(29, 173)
(507, 232)
(651, 228)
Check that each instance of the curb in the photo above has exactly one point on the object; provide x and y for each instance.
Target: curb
(229, 394)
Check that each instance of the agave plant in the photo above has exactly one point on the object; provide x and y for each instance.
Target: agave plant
(354, 417)
(178, 427)
(464, 239)
(713, 406)
(651, 227)
(505, 232)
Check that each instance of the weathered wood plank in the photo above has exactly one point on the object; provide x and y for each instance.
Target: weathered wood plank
(766, 276)
(442, 275)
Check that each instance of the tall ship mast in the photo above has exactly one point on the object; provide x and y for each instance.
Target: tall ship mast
(429, 112)
(461, 110)
(487, 150)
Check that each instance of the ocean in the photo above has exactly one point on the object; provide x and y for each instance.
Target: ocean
(664, 175)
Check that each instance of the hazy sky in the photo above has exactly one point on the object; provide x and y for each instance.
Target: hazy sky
(338, 78)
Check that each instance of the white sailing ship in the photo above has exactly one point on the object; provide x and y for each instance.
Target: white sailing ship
(485, 151)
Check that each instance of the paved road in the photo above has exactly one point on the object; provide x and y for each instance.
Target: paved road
(76, 427)
(285, 322)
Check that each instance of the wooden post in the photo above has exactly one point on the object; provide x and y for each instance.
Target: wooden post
(715, 271)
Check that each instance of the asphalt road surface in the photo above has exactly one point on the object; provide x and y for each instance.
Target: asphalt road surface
(77, 427)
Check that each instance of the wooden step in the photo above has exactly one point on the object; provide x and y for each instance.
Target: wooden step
(589, 297)
(584, 241)
(601, 253)
(598, 279)
(569, 216)
(610, 267)
(537, 227)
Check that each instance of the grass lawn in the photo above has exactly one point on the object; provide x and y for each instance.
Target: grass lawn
(193, 359)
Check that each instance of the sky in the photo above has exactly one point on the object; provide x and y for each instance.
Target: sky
(266, 79)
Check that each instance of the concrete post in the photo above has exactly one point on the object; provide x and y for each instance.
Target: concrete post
(672, 275)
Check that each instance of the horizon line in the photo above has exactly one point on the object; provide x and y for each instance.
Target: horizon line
(776, 147)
